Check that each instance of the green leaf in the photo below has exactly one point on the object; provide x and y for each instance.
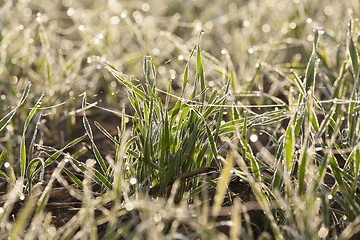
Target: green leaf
(186, 77)
(5, 120)
(353, 54)
(106, 133)
(3, 175)
(2, 157)
(310, 73)
(289, 146)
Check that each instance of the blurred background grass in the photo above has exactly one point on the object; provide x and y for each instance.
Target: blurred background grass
(52, 43)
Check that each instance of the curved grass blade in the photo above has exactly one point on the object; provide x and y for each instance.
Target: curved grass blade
(5, 120)
(22, 144)
(2, 157)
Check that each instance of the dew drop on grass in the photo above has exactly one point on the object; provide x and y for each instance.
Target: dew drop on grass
(88, 60)
(253, 138)
(157, 217)
(323, 232)
(309, 20)
(27, 12)
(114, 20)
(7, 165)
(223, 51)
(330, 197)
(3, 97)
(155, 51)
(123, 15)
(292, 25)
(198, 26)
(266, 28)
(246, 23)
(70, 12)
(250, 50)
(22, 197)
(181, 57)
(145, 7)
(133, 181)
(52, 230)
(81, 28)
(129, 206)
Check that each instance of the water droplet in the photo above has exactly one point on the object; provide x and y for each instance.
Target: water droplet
(70, 12)
(133, 181)
(250, 50)
(181, 57)
(292, 25)
(328, 10)
(266, 28)
(145, 7)
(253, 138)
(81, 28)
(6, 164)
(27, 12)
(88, 60)
(223, 51)
(323, 232)
(123, 15)
(246, 23)
(129, 206)
(157, 217)
(114, 20)
(309, 20)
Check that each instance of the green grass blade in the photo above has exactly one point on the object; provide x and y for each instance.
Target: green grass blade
(3, 175)
(353, 54)
(106, 133)
(73, 178)
(5, 120)
(2, 157)
(289, 146)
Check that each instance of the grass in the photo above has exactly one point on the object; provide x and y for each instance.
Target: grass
(130, 121)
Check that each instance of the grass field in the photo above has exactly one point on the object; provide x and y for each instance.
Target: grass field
(179, 119)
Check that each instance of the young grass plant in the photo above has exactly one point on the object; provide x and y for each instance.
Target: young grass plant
(168, 142)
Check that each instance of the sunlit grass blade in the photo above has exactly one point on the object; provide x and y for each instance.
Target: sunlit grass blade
(5, 120)
(106, 133)
(354, 57)
(22, 143)
(222, 185)
(289, 146)
(2, 156)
